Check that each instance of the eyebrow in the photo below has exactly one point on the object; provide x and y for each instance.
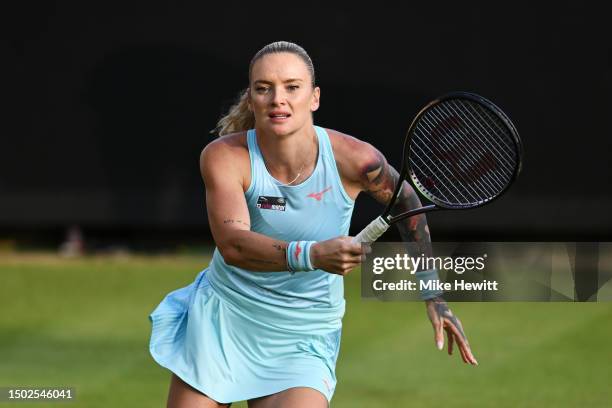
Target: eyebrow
(285, 81)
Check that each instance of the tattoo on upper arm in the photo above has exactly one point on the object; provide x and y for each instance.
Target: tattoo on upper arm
(380, 179)
(231, 221)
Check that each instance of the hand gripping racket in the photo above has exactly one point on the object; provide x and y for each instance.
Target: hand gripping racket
(461, 151)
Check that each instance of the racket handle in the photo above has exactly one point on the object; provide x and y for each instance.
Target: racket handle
(372, 232)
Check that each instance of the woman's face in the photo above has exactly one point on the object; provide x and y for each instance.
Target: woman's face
(282, 97)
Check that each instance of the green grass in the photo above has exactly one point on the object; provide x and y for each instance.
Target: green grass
(83, 323)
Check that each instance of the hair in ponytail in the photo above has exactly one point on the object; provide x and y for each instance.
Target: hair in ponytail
(239, 117)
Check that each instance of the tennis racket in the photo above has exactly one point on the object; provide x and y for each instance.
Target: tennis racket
(461, 151)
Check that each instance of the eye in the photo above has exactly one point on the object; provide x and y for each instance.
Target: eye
(261, 89)
(293, 87)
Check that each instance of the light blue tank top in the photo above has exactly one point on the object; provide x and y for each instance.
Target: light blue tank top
(315, 210)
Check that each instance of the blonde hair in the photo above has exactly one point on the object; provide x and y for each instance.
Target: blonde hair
(239, 117)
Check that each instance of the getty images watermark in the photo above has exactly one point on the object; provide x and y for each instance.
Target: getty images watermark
(412, 264)
(491, 271)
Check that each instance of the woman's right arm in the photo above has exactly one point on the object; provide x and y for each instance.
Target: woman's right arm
(229, 221)
(228, 214)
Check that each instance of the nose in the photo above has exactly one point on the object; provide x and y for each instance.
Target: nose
(278, 97)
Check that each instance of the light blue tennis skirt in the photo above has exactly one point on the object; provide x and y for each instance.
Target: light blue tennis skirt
(230, 354)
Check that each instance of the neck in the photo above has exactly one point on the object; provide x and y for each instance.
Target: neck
(286, 156)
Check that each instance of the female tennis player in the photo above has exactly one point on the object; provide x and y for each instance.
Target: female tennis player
(262, 323)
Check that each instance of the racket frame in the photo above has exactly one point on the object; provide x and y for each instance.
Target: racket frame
(407, 171)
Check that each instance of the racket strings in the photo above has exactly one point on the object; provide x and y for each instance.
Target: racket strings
(466, 164)
(479, 150)
(498, 178)
(419, 164)
(461, 153)
(479, 188)
(448, 173)
(507, 151)
(464, 137)
(479, 126)
(465, 168)
(490, 161)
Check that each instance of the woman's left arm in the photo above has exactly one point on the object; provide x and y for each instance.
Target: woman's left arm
(367, 170)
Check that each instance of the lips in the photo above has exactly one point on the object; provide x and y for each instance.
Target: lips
(278, 116)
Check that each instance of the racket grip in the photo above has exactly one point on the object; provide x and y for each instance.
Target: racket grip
(372, 232)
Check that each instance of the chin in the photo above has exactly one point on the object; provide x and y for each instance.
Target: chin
(281, 130)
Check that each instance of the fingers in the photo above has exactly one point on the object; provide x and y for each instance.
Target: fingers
(358, 248)
(463, 355)
(354, 249)
(354, 254)
(350, 262)
(468, 355)
(464, 347)
(345, 268)
(444, 320)
(367, 249)
(452, 338)
(340, 255)
(439, 333)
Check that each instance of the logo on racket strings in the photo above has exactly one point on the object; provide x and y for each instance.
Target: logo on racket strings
(468, 162)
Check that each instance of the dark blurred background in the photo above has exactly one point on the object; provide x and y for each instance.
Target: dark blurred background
(107, 107)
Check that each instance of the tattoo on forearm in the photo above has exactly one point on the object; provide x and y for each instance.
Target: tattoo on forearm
(444, 312)
(263, 261)
(280, 247)
(415, 228)
(381, 179)
(231, 221)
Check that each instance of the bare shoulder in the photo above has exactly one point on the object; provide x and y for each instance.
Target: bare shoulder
(228, 155)
(232, 144)
(354, 157)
